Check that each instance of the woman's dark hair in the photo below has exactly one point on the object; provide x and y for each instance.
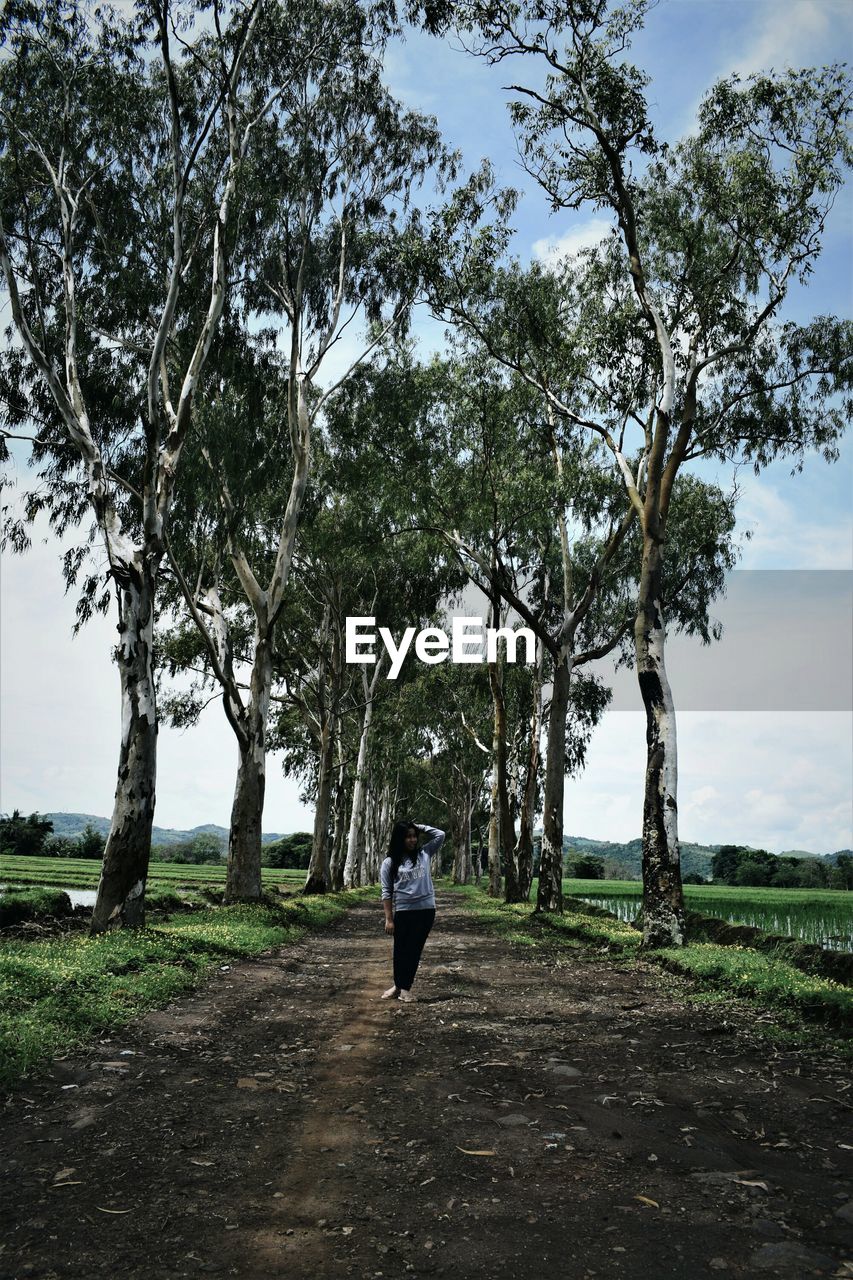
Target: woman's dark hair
(397, 851)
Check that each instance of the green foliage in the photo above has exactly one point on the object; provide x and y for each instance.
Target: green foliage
(738, 865)
(585, 867)
(31, 837)
(202, 848)
(24, 836)
(60, 847)
(841, 875)
(290, 851)
(91, 843)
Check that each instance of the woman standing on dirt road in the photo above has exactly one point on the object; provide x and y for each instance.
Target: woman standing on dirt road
(408, 899)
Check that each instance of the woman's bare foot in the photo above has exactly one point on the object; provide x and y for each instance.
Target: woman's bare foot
(407, 997)
(390, 993)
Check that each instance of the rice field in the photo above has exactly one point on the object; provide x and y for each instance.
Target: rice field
(821, 916)
(83, 873)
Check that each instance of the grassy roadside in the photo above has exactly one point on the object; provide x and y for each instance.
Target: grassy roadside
(767, 982)
(58, 993)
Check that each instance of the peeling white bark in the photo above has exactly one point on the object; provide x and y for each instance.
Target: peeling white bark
(663, 901)
(121, 888)
(352, 866)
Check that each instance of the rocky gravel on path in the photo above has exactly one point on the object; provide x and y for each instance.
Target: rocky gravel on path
(536, 1113)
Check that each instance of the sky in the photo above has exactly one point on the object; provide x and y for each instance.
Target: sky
(768, 764)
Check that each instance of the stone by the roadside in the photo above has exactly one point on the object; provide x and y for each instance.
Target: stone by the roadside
(514, 1121)
(791, 1259)
(83, 1118)
(719, 1178)
(563, 1069)
(845, 1212)
(769, 1229)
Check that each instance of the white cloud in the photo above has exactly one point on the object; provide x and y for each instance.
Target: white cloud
(772, 780)
(797, 33)
(793, 36)
(784, 537)
(552, 249)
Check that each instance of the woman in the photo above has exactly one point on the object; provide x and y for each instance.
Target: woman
(408, 899)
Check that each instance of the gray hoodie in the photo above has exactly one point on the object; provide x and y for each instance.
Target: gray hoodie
(413, 889)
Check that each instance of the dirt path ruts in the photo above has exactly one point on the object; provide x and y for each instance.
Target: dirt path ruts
(285, 1122)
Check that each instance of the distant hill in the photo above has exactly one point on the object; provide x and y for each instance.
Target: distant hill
(72, 824)
(695, 858)
(823, 857)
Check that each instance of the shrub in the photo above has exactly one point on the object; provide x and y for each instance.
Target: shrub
(24, 837)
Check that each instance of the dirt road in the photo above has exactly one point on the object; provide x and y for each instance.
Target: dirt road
(534, 1114)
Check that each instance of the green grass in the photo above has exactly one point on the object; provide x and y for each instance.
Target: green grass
(767, 981)
(583, 925)
(61, 992)
(762, 978)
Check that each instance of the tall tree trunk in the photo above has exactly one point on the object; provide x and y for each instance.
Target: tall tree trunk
(524, 845)
(478, 874)
(549, 895)
(368, 823)
(121, 888)
(464, 856)
(494, 854)
(352, 866)
(385, 826)
(319, 878)
(243, 876)
(663, 898)
(461, 831)
(339, 825)
(495, 811)
(506, 830)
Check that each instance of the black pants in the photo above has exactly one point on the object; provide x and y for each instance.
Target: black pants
(411, 930)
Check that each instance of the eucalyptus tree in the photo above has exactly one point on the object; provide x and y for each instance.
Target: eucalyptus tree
(319, 699)
(460, 706)
(503, 491)
(536, 519)
(710, 237)
(125, 144)
(401, 581)
(482, 448)
(337, 174)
